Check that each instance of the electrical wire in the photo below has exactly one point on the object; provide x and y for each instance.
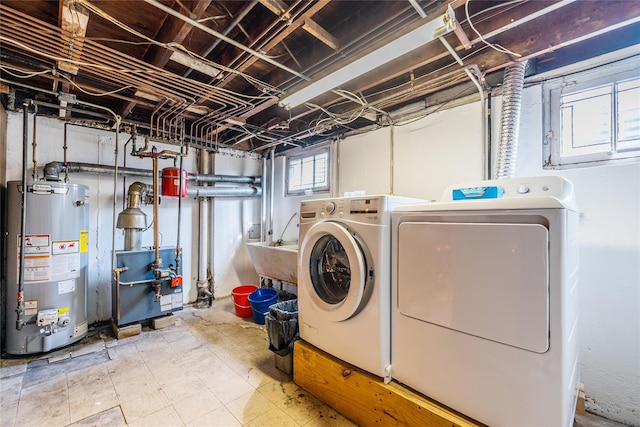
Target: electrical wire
(81, 89)
(6, 69)
(497, 6)
(495, 46)
(173, 46)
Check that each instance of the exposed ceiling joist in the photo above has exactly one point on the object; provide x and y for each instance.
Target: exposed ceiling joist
(279, 8)
(142, 53)
(172, 31)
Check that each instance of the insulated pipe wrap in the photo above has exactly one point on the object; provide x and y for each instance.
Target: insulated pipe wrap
(510, 120)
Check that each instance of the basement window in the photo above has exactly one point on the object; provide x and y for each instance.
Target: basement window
(308, 172)
(594, 116)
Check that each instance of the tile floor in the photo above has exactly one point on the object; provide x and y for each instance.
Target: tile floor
(210, 369)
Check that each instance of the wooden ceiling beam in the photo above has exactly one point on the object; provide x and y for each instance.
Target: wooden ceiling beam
(172, 31)
(317, 5)
(578, 22)
(278, 7)
(73, 19)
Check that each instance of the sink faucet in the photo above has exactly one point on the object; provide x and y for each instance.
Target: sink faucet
(279, 241)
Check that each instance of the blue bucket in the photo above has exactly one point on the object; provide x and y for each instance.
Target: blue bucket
(260, 300)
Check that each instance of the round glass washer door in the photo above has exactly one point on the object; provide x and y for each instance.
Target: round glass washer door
(334, 270)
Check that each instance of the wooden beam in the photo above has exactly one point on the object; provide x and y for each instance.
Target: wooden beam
(278, 7)
(577, 21)
(364, 398)
(73, 19)
(172, 31)
(317, 5)
(321, 34)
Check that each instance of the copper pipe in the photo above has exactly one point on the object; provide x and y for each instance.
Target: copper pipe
(117, 285)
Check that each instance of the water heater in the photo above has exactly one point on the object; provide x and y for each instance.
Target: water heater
(56, 252)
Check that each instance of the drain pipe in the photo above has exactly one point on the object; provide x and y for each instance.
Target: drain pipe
(23, 214)
(272, 185)
(263, 203)
(203, 241)
(34, 145)
(513, 83)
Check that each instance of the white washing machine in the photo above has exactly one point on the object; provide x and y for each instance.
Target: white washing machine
(344, 278)
(485, 306)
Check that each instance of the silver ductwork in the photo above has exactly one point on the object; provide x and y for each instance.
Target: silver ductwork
(224, 191)
(133, 220)
(53, 170)
(211, 179)
(513, 83)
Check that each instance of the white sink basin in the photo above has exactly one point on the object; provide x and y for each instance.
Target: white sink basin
(278, 262)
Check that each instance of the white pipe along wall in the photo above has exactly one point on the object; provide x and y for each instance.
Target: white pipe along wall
(88, 145)
(446, 147)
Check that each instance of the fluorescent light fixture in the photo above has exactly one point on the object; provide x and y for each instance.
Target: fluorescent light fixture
(395, 49)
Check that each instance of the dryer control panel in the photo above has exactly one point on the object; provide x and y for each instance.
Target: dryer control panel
(513, 189)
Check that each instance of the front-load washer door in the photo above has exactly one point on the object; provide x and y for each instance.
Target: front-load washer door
(334, 270)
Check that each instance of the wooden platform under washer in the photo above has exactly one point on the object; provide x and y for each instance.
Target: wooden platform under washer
(364, 398)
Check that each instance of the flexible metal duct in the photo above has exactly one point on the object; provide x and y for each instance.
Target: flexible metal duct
(513, 84)
(224, 191)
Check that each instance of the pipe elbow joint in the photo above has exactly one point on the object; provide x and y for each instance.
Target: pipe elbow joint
(52, 171)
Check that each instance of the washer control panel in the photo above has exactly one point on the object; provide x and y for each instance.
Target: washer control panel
(362, 209)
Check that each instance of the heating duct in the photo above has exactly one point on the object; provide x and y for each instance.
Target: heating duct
(513, 83)
(52, 172)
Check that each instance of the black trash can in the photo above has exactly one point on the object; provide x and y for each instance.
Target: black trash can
(282, 328)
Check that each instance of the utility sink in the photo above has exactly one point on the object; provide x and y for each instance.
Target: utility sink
(276, 260)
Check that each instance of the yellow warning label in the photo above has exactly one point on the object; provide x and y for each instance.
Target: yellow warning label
(63, 311)
(84, 241)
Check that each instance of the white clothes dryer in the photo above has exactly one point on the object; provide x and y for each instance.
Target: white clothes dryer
(485, 306)
(344, 278)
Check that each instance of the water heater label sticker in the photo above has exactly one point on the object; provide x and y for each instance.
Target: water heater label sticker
(66, 286)
(84, 241)
(36, 244)
(80, 329)
(31, 307)
(66, 266)
(66, 247)
(36, 268)
(37, 257)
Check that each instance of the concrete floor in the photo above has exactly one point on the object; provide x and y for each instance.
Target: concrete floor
(210, 369)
